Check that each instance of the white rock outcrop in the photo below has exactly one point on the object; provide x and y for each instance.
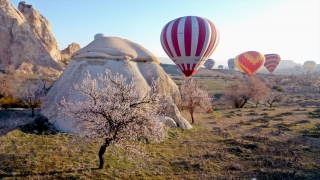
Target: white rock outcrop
(20, 46)
(42, 28)
(67, 52)
(131, 60)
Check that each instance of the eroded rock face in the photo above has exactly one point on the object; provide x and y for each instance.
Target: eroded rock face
(42, 28)
(4, 3)
(20, 45)
(67, 52)
(121, 56)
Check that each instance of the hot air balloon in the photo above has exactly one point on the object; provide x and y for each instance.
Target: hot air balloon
(209, 63)
(189, 41)
(250, 61)
(236, 62)
(309, 65)
(220, 67)
(272, 61)
(231, 64)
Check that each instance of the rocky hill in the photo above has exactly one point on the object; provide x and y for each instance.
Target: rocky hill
(67, 52)
(20, 46)
(41, 27)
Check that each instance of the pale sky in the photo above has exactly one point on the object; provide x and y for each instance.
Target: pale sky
(289, 28)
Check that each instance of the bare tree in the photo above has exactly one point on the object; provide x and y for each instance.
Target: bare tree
(240, 93)
(194, 98)
(316, 87)
(32, 91)
(273, 96)
(114, 114)
(8, 81)
(227, 77)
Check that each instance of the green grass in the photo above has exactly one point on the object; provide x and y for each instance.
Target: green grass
(220, 150)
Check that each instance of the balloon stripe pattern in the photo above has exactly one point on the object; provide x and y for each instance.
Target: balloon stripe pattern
(272, 61)
(189, 41)
(251, 62)
(236, 62)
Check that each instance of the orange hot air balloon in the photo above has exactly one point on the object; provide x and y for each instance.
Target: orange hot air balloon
(272, 61)
(236, 62)
(251, 61)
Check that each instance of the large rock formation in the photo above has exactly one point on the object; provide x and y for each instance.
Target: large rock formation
(67, 52)
(41, 27)
(120, 56)
(20, 46)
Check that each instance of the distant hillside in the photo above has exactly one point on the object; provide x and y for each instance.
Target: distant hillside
(293, 70)
(175, 70)
(171, 69)
(284, 64)
(165, 60)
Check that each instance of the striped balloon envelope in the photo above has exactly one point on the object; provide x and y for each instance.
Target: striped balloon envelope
(272, 61)
(250, 61)
(236, 62)
(309, 65)
(231, 64)
(209, 63)
(189, 41)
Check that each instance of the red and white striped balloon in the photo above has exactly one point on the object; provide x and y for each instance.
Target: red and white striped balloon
(189, 41)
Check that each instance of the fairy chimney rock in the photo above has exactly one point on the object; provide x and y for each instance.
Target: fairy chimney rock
(122, 56)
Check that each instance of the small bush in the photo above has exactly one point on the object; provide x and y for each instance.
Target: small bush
(302, 122)
(264, 125)
(268, 109)
(285, 114)
(217, 95)
(277, 119)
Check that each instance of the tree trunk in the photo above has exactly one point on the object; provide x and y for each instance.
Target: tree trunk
(101, 153)
(243, 104)
(32, 111)
(192, 120)
(236, 104)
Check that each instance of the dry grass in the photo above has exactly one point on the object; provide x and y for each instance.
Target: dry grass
(263, 143)
(225, 144)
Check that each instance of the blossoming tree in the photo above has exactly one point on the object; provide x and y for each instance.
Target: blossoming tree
(114, 113)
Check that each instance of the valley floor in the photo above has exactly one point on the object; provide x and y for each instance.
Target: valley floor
(261, 143)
